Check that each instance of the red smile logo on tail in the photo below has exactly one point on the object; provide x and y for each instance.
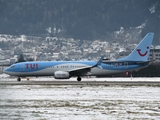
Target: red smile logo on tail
(139, 52)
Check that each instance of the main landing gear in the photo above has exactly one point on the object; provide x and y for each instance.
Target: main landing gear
(78, 78)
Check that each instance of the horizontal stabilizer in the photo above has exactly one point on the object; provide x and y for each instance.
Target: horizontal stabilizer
(145, 62)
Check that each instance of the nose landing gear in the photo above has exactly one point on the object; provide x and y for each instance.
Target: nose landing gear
(18, 79)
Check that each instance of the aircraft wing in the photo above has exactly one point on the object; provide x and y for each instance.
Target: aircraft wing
(82, 71)
(86, 70)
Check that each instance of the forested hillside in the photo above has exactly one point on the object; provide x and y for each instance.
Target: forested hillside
(80, 19)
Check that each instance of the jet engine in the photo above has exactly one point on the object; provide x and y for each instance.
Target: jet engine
(61, 75)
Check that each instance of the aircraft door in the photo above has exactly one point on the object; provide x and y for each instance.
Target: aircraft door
(21, 67)
(126, 65)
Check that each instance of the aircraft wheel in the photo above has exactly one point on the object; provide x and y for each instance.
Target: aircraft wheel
(79, 79)
(19, 79)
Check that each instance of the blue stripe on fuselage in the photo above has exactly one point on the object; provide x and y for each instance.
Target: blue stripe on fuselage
(122, 65)
(37, 66)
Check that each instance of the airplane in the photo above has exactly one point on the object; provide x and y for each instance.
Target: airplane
(136, 60)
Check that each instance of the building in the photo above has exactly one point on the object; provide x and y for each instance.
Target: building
(2, 67)
(154, 54)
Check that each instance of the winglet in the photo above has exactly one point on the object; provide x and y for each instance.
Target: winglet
(100, 60)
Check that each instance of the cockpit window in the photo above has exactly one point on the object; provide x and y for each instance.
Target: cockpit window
(12, 67)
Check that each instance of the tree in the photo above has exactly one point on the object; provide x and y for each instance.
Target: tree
(79, 19)
(29, 59)
(20, 59)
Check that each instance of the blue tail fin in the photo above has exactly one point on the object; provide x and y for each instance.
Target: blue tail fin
(141, 52)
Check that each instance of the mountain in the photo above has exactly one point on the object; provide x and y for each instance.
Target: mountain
(80, 19)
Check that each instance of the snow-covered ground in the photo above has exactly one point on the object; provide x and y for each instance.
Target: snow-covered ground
(4, 76)
(77, 102)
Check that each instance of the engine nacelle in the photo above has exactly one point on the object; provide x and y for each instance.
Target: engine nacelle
(61, 75)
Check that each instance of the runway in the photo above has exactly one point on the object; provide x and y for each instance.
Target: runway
(80, 83)
(85, 81)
